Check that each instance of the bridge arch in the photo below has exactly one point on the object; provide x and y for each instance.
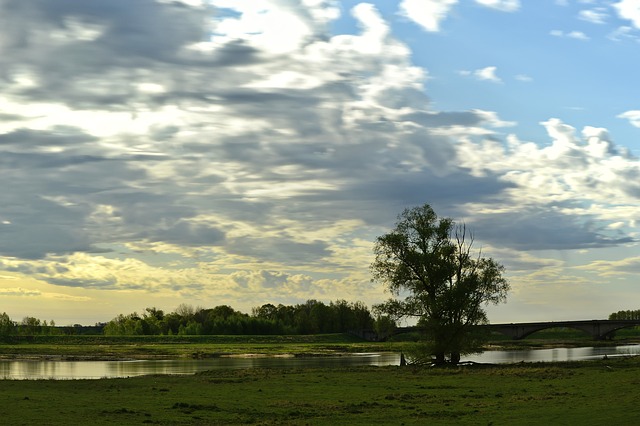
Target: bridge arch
(525, 332)
(597, 329)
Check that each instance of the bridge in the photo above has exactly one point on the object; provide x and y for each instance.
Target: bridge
(597, 329)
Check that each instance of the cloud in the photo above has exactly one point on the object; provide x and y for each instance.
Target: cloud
(502, 5)
(578, 35)
(427, 13)
(579, 176)
(542, 229)
(160, 147)
(615, 268)
(623, 33)
(633, 116)
(524, 78)
(19, 292)
(595, 16)
(486, 74)
(522, 261)
(628, 9)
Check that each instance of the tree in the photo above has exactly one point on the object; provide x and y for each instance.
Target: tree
(427, 263)
(31, 326)
(7, 326)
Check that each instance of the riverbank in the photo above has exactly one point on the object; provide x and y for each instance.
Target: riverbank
(585, 393)
(108, 348)
(177, 347)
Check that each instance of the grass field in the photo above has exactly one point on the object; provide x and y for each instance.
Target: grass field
(584, 393)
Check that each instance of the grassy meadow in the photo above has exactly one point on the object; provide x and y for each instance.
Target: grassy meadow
(584, 393)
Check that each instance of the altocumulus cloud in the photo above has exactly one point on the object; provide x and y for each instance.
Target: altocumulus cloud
(250, 157)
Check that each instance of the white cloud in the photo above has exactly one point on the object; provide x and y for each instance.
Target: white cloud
(630, 10)
(623, 33)
(503, 5)
(633, 116)
(595, 16)
(427, 13)
(492, 119)
(578, 35)
(572, 168)
(487, 73)
(607, 268)
(524, 78)
(19, 292)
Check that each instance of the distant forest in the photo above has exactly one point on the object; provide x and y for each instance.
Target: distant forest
(625, 315)
(311, 317)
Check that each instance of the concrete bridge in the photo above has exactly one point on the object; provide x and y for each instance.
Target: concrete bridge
(597, 329)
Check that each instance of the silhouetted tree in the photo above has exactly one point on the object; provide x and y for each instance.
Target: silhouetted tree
(429, 262)
(7, 326)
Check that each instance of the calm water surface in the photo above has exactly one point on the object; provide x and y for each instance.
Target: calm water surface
(40, 369)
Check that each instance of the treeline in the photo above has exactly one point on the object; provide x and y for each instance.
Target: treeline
(31, 326)
(625, 315)
(311, 317)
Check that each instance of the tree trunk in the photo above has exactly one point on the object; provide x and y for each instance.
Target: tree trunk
(455, 358)
(439, 358)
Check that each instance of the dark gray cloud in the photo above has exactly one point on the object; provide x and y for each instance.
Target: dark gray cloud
(26, 140)
(280, 249)
(184, 233)
(543, 229)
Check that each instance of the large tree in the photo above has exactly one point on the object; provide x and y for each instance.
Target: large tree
(430, 266)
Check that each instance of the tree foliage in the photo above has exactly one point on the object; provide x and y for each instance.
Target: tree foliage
(29, 326)
(429, 265)
(625, 315)
(311, 317)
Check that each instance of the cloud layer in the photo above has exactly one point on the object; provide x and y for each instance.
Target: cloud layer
(226, 151)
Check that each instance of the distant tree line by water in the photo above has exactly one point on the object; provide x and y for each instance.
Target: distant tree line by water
(625, 315)
(31, 326)
(311, 317)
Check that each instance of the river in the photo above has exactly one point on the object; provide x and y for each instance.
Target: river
(62, 370)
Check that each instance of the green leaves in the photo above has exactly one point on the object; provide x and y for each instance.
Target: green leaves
(427, 263)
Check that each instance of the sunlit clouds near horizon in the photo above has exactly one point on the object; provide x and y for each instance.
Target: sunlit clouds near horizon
(222, 152)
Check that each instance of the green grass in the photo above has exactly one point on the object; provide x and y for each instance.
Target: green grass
(585, 393)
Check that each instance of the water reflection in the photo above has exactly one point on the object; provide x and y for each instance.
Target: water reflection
(555, 354)
(40, 369)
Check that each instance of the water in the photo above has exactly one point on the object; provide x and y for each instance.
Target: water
(555, 354)
(41, 369)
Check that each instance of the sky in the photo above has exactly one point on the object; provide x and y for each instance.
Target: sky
(230, 152)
